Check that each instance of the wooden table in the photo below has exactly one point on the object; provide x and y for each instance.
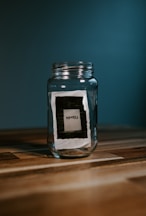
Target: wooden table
(110, 182)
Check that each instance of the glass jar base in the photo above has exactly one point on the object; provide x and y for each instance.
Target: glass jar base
(72, 153)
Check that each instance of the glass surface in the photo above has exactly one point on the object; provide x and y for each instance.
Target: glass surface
(72, 110)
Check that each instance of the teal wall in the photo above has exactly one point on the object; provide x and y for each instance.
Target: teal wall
(110, 33)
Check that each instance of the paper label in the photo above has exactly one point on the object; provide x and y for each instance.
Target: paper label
(70, 119)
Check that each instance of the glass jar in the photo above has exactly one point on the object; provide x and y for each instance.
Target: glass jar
(72, 110)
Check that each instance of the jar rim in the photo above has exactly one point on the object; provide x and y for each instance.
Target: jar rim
(72, 65)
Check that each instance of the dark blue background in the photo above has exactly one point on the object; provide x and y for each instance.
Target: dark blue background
(34, 34)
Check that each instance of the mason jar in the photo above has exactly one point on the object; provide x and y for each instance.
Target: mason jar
(72, 110)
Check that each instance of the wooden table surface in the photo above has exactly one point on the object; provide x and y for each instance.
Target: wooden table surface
(110, 182)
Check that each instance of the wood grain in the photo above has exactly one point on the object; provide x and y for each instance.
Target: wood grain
(111, 181)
